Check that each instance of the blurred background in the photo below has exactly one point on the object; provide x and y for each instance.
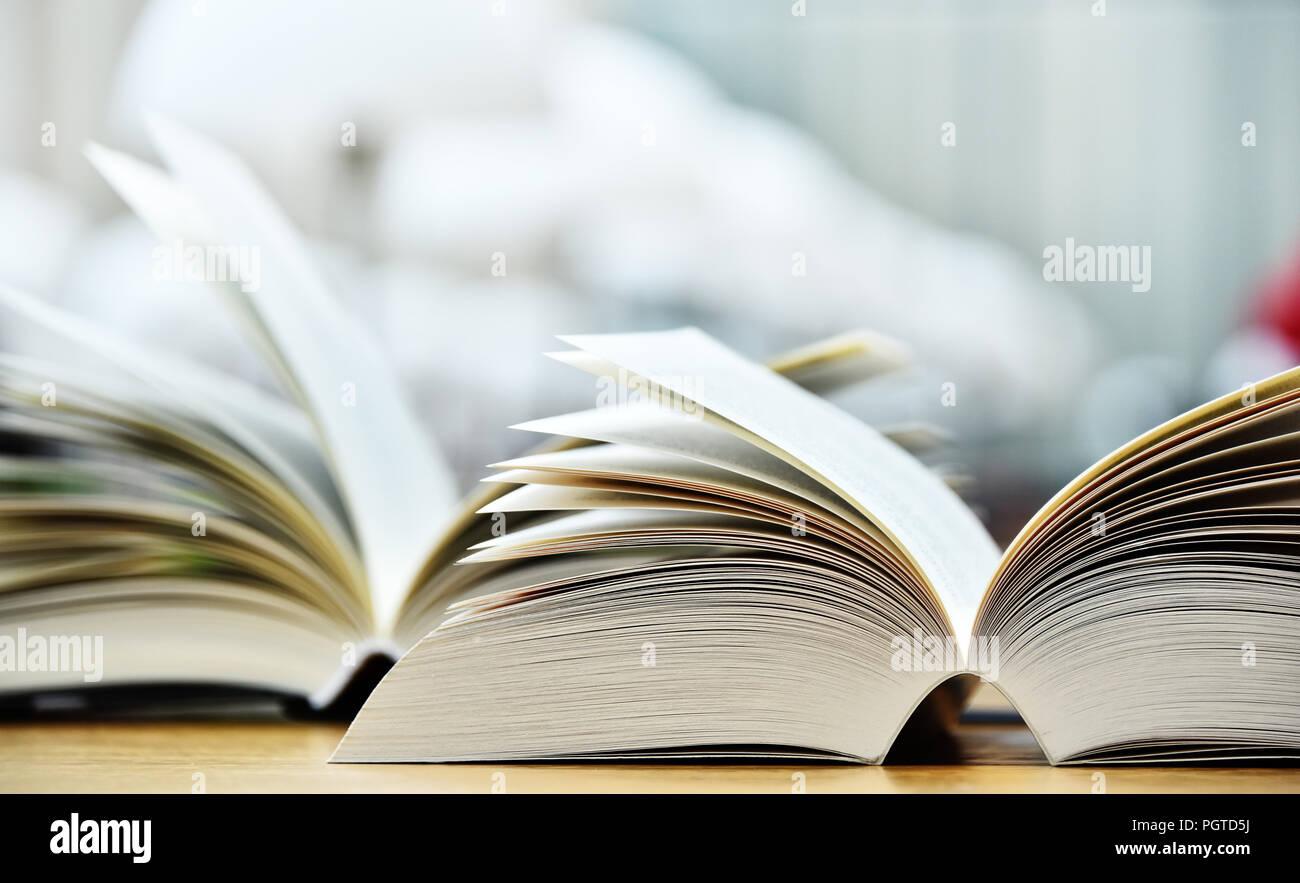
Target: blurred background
(773, 172)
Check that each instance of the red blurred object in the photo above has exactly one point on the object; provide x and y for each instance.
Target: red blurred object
(1279, 303)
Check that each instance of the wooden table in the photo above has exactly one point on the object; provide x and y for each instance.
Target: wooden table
(276, 756)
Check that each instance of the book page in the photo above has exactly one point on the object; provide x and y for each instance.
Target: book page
(841, 360)
(939, 534)
(1171, 429)
(398, 490)
(267, 426)
(673, 434)
(824, 366)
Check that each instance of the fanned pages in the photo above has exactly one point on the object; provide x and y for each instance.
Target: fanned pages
(1152, 608)
(929, 524)
(397, 489)
(179, 520)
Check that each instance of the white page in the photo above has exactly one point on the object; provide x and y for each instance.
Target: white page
(170, 213)
(914, 507)
(397, 488)
(249, 416)
(675, 438)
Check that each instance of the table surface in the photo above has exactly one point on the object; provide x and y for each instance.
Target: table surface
(277, 756)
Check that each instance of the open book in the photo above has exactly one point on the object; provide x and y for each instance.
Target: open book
(740, 568)
(163, 524)
(712, 562)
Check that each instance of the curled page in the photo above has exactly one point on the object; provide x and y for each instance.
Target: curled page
(397, 489)
(921, 514)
